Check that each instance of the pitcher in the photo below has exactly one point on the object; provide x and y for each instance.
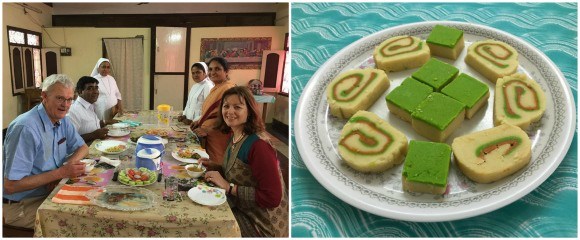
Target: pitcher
(164, 114)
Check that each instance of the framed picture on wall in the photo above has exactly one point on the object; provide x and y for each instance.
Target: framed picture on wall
(241, 53)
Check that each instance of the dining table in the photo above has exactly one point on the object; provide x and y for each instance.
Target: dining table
(323, 31)
(180, 217)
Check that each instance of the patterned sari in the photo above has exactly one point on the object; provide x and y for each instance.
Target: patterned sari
(215, 142)
(254, 221)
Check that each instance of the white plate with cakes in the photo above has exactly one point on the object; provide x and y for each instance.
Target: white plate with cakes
(382, 193)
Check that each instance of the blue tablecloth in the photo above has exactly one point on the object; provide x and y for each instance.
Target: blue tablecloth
(320, 30)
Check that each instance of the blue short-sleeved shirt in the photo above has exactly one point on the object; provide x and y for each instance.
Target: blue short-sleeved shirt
(33, 145)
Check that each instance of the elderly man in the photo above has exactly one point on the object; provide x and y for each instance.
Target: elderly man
(37, 145)
(82, 112)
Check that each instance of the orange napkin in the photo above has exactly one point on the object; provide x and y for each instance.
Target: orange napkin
(73, 195)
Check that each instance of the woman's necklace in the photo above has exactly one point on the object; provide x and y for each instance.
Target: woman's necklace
(234, 141)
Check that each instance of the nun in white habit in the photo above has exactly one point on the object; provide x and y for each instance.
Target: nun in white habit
(197, 94)
(109, 102)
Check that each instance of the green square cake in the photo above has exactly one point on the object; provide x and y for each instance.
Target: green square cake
(445, 42)
(436, 74)
(403, 100)
(437, 117)
(469, 91)
(426, 167)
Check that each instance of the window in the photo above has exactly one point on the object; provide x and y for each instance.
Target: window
(25, 59)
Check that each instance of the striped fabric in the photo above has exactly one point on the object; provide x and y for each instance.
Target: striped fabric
(73, 195)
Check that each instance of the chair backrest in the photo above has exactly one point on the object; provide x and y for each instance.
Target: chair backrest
(32, 96)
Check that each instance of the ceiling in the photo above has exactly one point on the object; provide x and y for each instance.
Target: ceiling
(163, 8)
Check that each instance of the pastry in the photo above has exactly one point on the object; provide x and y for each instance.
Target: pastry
(401, 53)
(403, 100)
(492, 59)
(369, 144)
(437, 117)
(436, 74)
(492, 154)
(445, 42)
(518, 101)
(426, 167)
(469, 91)
(355, 90)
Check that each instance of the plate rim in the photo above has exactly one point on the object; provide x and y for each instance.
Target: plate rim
(185, 160)
(111, 140)
(190, 192)
(339, 58)
(124, 133)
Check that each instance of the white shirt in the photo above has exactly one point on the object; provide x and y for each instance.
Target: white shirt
(197, 95)
(108, 95)
(82, 115)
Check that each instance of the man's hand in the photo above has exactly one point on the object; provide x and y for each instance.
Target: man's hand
(72, 169)
(101, 133)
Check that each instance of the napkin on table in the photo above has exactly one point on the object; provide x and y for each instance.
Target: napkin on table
(109, 161)
(73, 195)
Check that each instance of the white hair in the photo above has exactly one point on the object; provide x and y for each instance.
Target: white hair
(56, 78)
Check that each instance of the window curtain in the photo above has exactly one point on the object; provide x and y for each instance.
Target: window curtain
(126, 57)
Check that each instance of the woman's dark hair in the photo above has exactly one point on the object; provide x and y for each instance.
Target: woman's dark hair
(84, 81)
(222, 61)
(198, 65)
(254, 123)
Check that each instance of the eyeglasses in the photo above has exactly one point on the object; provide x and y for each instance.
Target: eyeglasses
(105, 67)
(61, 100)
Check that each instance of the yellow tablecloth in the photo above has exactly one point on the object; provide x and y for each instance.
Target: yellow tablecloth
(165, 219)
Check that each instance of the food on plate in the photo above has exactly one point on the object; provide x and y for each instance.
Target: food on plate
(436, 74)
(426, 167)
(188, 153)
(518, 101)
(469, 91)
(355, 90)
(369, 144)
(437, 117)
(403, 100)
(117, 148)
(490, 155)
(158, 132)
(492, 59)
(195, 170)
(401, 53)
(445, 42)
(137, 176)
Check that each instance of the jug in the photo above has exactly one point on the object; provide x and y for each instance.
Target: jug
(149, 141)
(149, 158)
(164, 114)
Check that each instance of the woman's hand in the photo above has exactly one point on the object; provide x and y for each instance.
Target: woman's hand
(210, 165)
(216, 178)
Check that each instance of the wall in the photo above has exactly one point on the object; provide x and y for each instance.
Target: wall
(13, 15)
(86, 46)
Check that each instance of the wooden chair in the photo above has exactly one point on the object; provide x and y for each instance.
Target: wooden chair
(32, 97)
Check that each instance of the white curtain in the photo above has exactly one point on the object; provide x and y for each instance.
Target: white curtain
(126, 57)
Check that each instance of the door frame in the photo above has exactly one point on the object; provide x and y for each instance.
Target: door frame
(152, 71)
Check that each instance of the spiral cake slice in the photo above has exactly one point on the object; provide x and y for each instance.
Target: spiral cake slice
(401, 53)
(355, 90)
(492, 154)
(492, 59)
(369, 144)
(518, 101)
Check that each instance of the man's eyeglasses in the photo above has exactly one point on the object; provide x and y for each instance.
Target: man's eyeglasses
(61, 100)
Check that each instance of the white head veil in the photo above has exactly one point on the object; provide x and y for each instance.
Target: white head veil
(96, 69)
(204, 67)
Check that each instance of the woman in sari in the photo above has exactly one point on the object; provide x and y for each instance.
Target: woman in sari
(214, 141)
(250, 173)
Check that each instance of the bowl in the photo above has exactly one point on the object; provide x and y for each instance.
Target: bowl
(195, 170)
(89, 164)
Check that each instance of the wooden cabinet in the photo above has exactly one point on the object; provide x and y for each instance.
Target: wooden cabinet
(31, 98)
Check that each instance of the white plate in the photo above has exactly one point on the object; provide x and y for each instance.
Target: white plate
(382, 194)
(205, 195)
(103, 145)
(203, 154)
(114, 133)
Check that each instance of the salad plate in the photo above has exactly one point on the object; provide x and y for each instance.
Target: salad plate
(382, 193)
